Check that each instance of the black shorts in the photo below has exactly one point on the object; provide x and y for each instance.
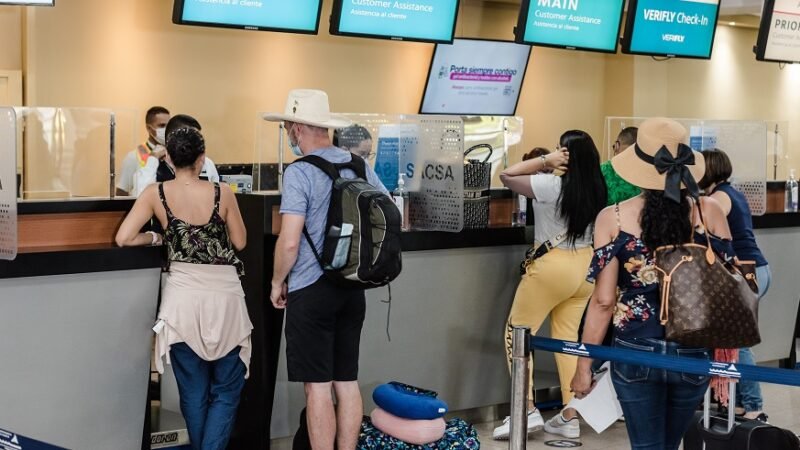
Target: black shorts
(323, 332)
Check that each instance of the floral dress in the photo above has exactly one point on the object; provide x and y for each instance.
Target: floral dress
(199, 244)
(639, 302)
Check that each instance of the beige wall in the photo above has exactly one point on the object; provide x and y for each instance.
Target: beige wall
(128, 55)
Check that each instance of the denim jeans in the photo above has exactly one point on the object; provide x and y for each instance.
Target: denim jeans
(659, 405)
(209, 393)
(748, 393)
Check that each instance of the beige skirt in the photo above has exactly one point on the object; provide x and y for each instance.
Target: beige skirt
(203, 306)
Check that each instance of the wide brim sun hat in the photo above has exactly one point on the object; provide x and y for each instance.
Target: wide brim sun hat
(661, 160)
(309, 107)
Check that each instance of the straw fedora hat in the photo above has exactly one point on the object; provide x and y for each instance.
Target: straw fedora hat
(309, 107)
(637, 165)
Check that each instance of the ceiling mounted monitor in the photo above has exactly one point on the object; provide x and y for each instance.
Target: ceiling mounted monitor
(472, 77)
(291, 16)
(779, 34)
(572, 24)
(672, 28)
(29, 2)
(417, 20)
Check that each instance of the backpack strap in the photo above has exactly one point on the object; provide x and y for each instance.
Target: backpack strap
(322, 164)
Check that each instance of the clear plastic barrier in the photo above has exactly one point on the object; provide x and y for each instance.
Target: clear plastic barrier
(502, 133)
(745, 143)
(8, 183)
(427, 150)
(65, 153)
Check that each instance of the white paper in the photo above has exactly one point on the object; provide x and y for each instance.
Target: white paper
(600, 409)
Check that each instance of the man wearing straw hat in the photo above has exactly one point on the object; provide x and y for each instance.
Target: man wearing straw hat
(323, 321)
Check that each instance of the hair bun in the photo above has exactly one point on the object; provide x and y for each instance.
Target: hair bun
(184, 146)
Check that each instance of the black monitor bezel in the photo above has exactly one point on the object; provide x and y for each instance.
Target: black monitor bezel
(21, 3)
(763, 34)
(522, 23)
(177, 19)
(521, 84)
(336, 16)
(630, 23)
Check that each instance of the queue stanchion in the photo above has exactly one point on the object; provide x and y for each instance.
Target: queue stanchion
(520, 362)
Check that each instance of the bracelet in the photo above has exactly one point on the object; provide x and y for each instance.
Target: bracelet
(544, 160)
(155, 237)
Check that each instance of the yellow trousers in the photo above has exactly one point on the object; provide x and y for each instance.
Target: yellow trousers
(554, 285)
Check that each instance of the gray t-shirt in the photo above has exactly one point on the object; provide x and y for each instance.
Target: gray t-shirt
(307, 193)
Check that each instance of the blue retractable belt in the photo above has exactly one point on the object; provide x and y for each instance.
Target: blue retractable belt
(668, 362)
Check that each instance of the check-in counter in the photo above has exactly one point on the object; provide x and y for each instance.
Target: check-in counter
(75, 318)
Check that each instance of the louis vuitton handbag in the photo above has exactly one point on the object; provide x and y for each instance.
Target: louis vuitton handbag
(705, 301)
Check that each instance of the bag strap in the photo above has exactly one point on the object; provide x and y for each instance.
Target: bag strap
(710, 256)
(322, 164)
(475, 147)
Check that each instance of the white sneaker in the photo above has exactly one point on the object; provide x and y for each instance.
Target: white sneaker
(570, 429)
(535, 423)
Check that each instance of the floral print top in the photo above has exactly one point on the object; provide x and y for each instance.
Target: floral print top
(639, 300)
(199, 244)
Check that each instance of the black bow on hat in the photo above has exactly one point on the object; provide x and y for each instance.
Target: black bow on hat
(675, 168)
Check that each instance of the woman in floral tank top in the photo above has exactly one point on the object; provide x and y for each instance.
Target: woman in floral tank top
(203, 328)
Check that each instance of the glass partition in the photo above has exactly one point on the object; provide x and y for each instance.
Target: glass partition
(65, 153)
(427, 150)
(8, 184)
(502, 133)
(745, 143)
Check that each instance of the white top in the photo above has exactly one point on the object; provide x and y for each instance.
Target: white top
(547, 221)
(145, 176)
(129, 167)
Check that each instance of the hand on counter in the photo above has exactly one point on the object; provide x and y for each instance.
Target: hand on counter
(278, 295)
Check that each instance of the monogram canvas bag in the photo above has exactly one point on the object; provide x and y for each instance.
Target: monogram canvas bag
(705, 301)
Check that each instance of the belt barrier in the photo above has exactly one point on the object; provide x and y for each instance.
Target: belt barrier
(523, 343)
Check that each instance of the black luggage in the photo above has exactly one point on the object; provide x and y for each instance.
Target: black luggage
(735, 433)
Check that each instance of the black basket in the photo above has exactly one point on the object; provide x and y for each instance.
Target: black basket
(476, 212)
(477, 174)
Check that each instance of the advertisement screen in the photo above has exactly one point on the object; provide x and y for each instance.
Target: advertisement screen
(475, 77)
(779, 35)
(420, 20)
(300, 16)
(574, 24)
(671, 27)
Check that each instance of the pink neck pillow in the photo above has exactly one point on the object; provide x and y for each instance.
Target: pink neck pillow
(417, 432)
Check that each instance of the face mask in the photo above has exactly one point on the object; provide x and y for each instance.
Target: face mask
(161, 135)
(296, 151)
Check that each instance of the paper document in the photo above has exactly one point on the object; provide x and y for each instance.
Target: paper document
(600, 408)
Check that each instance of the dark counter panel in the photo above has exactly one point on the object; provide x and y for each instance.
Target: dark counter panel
(777, 220)
(74, 206)
(80, 259)
(485, 237)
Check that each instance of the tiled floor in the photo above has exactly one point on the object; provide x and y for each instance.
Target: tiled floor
(782, 403)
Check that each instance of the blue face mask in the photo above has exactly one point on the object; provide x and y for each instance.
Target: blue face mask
(295, 147)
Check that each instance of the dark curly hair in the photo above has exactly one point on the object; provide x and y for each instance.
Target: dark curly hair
(184, 146)
(665, 222)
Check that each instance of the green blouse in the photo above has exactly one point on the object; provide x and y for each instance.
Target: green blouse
(618, 189)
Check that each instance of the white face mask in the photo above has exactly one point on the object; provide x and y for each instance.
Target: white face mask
(161, 135)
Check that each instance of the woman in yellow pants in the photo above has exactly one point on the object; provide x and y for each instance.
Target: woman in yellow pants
(553, 284)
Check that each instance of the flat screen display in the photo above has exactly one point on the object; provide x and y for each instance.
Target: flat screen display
(779, 34)
(574, 24)
(681, 28)
(417, 20)
(296, 16)
(28, 2)
(475, 77)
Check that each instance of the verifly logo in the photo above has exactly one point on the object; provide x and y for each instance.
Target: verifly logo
(575, 349)
(724, 370)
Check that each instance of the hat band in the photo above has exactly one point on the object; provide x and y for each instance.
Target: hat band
(674, 168)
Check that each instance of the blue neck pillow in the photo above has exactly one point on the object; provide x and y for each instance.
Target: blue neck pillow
(409, 402)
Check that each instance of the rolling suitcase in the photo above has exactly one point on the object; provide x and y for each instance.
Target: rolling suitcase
(718, 432)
